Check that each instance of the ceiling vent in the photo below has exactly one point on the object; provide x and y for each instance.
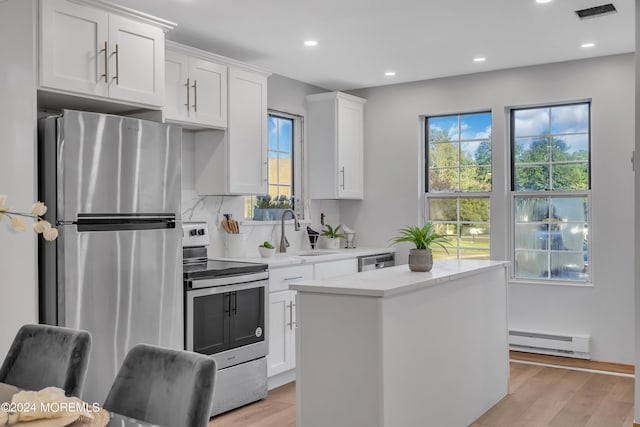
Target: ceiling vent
(594, 12)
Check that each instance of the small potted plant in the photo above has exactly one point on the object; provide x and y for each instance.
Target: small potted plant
(266, 250)
(332, 237)
(270, 209)
(421, 258)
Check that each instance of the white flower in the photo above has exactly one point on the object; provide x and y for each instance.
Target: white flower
(38, 208)
(3, 200)
(41, 226)
(18, 224)
(50, 233)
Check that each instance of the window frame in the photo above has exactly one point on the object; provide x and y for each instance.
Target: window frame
(549, 193)
(457, 194)
(297, 148)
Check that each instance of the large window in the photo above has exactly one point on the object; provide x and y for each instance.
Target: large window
(458, 182)
(550, 149)
(284, 139)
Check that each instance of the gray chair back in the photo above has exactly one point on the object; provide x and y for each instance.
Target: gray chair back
(44, 356)
(164, 386)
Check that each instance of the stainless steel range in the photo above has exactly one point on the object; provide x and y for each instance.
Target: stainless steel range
(225, 317)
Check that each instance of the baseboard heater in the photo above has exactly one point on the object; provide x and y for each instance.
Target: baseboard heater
(555, 345)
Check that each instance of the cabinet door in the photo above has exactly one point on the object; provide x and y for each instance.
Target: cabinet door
(326, 270)
(246, 324)
(350, 149)
(212, 311)
(176, 73)
(136, 61)
(72, 42)
(247, 132)
(281, 355)
(208, 82)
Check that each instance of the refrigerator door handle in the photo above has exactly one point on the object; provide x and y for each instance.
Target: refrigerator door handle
(95, 222)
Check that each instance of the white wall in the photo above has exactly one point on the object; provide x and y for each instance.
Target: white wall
(394, 169)
(285, 95)
(18, 270)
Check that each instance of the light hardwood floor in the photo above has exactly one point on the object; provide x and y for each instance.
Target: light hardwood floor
(538, 396)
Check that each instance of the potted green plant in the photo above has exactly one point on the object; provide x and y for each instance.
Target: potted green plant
(421, 258)
(270, 209)
(266, 250)
(332, 237)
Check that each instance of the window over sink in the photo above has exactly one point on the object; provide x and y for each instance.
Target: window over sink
(284, 171)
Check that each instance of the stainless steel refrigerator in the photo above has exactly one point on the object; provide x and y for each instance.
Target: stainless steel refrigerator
(113, 188)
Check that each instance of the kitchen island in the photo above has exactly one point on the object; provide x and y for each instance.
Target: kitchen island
(397, 348)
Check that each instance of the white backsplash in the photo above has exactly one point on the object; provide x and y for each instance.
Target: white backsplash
(212, 209)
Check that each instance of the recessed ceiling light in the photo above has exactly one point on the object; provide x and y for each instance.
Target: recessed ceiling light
(310, 43)
(479, 59)
(586, 45)
(543, 1)
(390, 73)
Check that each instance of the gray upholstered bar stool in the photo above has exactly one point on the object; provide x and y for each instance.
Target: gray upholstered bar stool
(43, 356)
(164, 386)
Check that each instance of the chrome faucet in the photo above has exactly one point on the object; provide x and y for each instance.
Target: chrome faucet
(283, 239)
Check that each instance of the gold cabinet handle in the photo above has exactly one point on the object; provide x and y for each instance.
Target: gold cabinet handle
(105, 50)
(117, 76)
(195, 96)
(188, 89)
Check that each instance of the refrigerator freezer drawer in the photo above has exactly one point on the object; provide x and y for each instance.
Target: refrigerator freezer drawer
(112, 164)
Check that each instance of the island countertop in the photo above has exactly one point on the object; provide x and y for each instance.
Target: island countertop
(397, 280)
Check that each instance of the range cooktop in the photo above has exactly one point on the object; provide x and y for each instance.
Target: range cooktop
(211, 268)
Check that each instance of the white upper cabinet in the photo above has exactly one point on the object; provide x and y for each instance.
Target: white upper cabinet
(247, 132)
(138, 68)
(89, 48)
(335, 146)
(195, 89)
(74, 51)
(235, 161)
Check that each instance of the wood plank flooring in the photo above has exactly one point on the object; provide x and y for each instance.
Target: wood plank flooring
(597, 365)
(539, 396)
(277, 410)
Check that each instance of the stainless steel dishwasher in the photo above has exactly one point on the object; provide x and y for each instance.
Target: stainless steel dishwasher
(374, 262)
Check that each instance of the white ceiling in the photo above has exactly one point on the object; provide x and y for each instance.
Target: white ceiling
(359, 40)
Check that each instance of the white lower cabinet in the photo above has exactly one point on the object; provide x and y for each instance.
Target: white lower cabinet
(282, 310)
(326, 270)
(282, 332)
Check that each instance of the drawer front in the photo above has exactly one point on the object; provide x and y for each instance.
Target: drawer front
(281, 278)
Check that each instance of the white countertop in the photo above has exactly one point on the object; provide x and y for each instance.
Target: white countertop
(396, 280)
(297, 257)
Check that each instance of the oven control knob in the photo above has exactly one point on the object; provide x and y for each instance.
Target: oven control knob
(201, 232)
(193, 232)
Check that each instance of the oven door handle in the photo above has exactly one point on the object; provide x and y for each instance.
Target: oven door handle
(226, 281)
(198, 292)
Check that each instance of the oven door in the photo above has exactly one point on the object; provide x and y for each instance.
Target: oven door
(225, 317)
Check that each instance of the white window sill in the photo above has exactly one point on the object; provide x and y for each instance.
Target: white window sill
(567, 283)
